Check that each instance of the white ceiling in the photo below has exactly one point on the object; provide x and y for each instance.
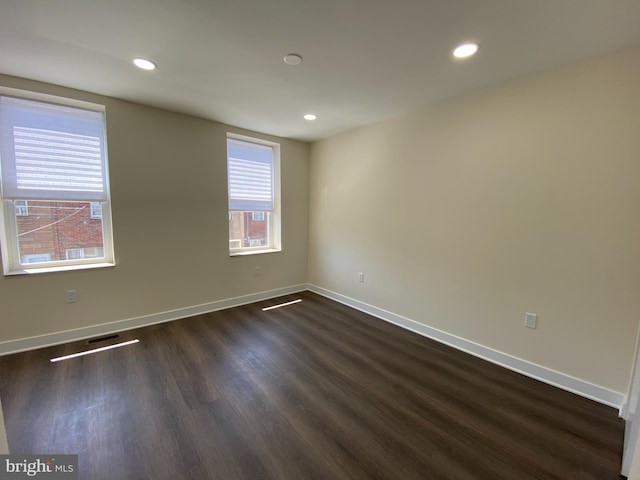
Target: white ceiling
(364, 60)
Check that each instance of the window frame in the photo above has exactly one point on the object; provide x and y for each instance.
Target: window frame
(9, 245)
(272, 217)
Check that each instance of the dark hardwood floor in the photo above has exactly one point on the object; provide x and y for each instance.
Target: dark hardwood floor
(312, 390)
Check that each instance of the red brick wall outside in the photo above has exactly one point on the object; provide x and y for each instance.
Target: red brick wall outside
(53, 227)
(243, 227)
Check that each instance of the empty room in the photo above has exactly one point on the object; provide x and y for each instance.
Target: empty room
(344, 239)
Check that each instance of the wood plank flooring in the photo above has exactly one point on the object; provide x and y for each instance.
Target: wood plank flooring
(312, 390)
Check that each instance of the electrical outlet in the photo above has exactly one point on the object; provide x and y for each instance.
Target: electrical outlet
(71, 296)
(530, 320)
(361, 277)
(257, 271)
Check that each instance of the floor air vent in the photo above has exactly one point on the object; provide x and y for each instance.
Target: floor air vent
(102, 339)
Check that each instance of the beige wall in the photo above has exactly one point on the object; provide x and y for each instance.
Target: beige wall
(520, 198)
(170, 222)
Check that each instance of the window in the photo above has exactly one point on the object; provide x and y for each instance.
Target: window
(87, 252)
(36, 258)
(74, 253)
(96, 210)
(253, 168)
(53, 155)
(22, 208)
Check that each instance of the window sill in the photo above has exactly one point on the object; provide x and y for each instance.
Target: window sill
(65, 268)
(242, 253)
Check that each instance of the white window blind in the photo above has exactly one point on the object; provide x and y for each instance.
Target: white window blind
(250, 172)
(51, 152)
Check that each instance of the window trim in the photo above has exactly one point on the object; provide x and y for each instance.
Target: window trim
(10, 249)
(274, 224)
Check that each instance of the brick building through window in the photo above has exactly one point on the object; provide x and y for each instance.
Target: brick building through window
(248, 229)
(54, 231)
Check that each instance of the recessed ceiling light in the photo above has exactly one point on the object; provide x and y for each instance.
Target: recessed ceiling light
(310, 116)
(144, 64)
(465, 50)
(293, 59)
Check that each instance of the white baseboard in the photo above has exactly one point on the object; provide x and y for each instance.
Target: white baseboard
(56, 338)
(546, 375)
